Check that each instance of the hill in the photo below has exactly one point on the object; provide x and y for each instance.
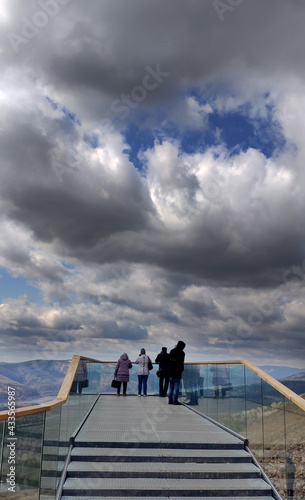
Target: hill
(295, 382)
(281, 372)
(32, 380)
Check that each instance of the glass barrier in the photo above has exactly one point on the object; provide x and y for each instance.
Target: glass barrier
(229, 393)
(236, 397)
(21, 457)
(52, 454)
(293, 463)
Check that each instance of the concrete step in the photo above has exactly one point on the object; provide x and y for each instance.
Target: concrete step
(264, 497)
(156, 454)
(162, 470)
(116, 487)
(207, 444)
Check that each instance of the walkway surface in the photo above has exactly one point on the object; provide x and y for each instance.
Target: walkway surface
(142, 447)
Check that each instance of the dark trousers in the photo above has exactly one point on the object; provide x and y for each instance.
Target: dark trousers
(76, 385)
(124, 387)
(163, 384)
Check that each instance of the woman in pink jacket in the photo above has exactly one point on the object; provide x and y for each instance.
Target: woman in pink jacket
(121, 372)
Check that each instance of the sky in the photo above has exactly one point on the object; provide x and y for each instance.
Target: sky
(152, 179)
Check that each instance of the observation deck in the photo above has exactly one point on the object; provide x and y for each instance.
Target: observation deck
(247, 444)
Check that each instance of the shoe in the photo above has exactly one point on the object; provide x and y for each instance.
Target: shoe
(124, 394)
(145, 395)
(170, 402)
(177, 403)
(139, 395)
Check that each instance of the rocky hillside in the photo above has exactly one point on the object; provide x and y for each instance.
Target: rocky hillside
(295, 382)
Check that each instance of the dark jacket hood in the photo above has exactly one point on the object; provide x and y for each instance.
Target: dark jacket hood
(124, 356)
(180, 345)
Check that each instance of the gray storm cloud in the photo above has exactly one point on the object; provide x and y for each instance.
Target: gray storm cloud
(191, 243)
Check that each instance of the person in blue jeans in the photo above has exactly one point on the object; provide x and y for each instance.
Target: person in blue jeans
(143, 372)
(176, 367)
(163, 361)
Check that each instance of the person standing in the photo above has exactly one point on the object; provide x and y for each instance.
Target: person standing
(176, 367)
(121, 372)
(143, 371)
(163, 361)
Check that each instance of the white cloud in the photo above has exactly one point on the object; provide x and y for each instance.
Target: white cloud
(185, 247)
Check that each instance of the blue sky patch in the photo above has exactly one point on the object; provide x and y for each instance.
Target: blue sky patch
(11, 287)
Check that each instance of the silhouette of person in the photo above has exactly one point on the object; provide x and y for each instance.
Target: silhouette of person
(191, 381)
(81, 375)
(176, 367)
(163, 361)
(220, 379)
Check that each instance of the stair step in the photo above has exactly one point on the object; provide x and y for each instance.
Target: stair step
(203, 445)
(162, 470)
(263, 497)
(173, 487)
(155, 455)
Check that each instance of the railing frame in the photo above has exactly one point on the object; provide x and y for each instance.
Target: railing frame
(63, 393)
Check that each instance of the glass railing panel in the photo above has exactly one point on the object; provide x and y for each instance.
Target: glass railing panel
(53, 455)
(254, 412)
(21, 459)
(293, 467)
(190, 389)
(235, 400)
(83, 393)
(218, 390)
(274, 434)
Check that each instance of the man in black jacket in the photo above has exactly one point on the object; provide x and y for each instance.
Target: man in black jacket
(176, 367)
(163, 361)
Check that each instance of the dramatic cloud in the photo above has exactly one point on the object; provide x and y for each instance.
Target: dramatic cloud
(152, 179)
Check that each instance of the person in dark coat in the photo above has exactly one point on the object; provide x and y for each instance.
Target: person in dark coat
(163, 361)
(121, 372)
(176, 367)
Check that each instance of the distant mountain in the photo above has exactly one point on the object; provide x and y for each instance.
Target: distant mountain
(281, 372)
(295, 382)
(40, 380)
(32, 380)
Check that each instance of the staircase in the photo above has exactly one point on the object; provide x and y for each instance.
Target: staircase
(178, 454)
